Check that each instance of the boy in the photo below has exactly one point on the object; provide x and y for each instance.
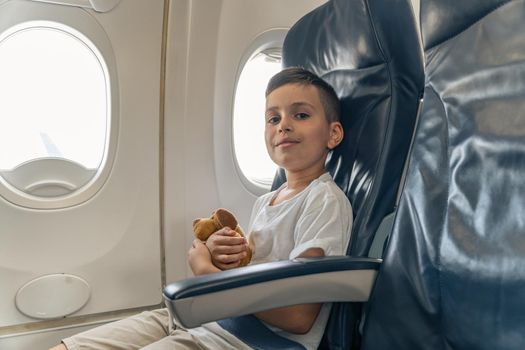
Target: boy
(307, 216)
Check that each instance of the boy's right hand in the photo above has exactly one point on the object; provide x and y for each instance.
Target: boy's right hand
(226, 248)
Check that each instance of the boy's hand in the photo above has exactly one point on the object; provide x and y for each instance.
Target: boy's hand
(199, 259)
(226, 248)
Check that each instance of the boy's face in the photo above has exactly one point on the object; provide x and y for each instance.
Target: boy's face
(297, 133)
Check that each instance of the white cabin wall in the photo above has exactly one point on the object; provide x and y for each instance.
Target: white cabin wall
(112, 240)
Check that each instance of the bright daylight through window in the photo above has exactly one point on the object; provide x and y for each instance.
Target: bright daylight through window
(54, 98)
(248, 117)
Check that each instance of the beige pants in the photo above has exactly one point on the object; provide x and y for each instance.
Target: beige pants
(149, 330)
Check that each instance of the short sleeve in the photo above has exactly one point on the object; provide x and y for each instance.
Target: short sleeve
(325, 223)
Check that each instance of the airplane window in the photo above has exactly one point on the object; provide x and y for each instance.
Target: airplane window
(248, 117)
(54, 99)
(54, 110)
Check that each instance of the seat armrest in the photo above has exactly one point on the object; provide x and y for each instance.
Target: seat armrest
(198, 300)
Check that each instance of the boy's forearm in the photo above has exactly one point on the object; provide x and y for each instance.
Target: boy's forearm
(296, 319)
(199, 259)
(204, 268)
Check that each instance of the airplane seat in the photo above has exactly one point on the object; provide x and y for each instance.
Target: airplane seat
(453, 273)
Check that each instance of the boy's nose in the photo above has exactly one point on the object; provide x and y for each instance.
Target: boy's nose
(285, 125)
(285, 128)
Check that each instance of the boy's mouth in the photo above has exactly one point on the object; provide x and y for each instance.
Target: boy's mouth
(286, 142)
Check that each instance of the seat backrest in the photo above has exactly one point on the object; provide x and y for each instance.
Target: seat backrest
(453, 276)
(370, 52)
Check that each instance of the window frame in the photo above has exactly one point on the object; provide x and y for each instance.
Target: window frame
(271, 39)
(15, 16)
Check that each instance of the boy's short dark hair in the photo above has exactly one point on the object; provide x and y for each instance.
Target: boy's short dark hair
(298, 75)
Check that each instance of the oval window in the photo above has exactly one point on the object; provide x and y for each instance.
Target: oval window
(248, 117)
(55, 110)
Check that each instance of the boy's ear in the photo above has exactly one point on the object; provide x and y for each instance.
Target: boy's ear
(336, 135)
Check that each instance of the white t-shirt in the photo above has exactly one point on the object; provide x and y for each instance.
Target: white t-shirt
(320, 216)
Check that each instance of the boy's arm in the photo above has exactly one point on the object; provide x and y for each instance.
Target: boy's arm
(297, 319)
(199, 259)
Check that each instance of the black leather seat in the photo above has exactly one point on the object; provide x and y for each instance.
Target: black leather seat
(454, 272)
(370, 52)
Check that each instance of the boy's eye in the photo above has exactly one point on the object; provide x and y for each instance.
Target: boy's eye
(273, 119)
(301, 116)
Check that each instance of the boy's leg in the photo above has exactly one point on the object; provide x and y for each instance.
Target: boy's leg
(130, 333)
(179, 339)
